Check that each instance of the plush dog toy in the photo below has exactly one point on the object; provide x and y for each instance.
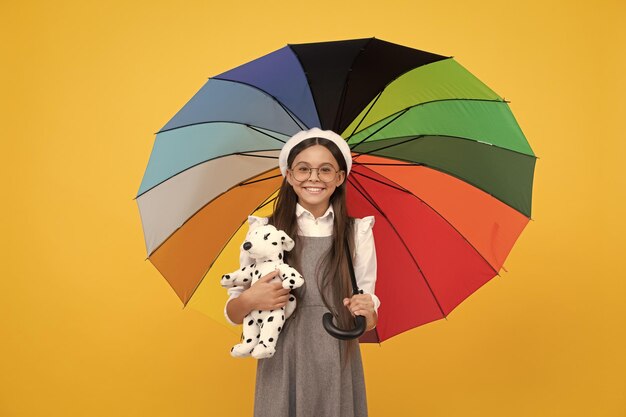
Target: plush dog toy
(261, 328)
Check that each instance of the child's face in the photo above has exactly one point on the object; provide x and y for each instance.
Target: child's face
(314, 194)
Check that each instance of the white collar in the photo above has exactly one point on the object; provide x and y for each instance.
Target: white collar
(301, 210)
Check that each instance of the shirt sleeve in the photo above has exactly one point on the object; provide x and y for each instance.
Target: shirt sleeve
(244, 259)
(365, 258)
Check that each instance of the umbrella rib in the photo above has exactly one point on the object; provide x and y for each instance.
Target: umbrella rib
(218, 121)
(388, 146)
(390, 164)
(380, 93)
(239, 184)
(300, 126)
(342, 100)
(452, 174)
(406, 109)
(203, 162)
(411, 138)
(265, 133)
(297, 122)
(399, 114)
(224, 247)
(395, 185)
(266, 203)
(308, 83)
(373, 203)
(367, 112)
(261, 180)
(255, 156)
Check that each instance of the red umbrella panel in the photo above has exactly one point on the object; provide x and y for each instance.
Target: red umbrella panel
(438, 239)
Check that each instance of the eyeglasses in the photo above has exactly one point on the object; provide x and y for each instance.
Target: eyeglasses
(325, 173)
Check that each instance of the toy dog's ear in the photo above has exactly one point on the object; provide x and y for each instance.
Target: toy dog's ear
(286, 241)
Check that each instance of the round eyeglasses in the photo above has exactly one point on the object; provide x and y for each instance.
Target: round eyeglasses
(325, 173)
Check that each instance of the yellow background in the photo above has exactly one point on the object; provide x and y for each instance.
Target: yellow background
(88, 328)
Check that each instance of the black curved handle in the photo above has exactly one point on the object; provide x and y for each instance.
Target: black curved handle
(334, 331)
(360, 324)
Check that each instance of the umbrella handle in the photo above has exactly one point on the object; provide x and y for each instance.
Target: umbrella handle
(327, 319)
(358, 330)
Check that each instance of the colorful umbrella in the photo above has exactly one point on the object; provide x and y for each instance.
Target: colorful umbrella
(439, 160)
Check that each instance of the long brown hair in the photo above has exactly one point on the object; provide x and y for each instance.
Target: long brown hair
(336, 282)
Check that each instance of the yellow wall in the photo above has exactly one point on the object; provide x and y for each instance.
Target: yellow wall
(88, 328)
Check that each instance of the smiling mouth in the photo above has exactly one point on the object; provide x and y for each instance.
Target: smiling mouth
(314, 190)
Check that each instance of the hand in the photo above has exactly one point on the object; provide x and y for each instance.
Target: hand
(266, 295)
(362, 305)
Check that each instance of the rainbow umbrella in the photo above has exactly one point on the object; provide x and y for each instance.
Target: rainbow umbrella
(439, 160)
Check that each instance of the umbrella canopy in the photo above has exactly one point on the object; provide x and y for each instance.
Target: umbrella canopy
(438, 159)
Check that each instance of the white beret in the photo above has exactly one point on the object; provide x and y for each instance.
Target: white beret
(314, 133)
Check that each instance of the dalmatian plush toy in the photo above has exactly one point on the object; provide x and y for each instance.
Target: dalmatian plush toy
(265, 245)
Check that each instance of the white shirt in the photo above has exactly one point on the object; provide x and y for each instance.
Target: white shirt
(365, 250)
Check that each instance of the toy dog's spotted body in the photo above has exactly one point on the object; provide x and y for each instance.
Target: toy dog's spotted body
(261, 328)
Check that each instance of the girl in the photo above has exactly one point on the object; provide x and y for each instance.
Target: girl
(312, 373)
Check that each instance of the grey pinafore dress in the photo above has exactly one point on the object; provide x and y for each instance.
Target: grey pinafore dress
(305, 377)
